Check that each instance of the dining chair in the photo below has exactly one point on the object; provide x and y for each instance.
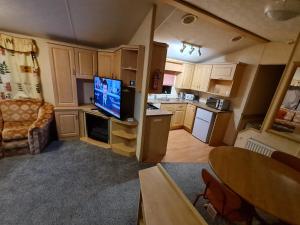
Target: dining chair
(287, 159)
(227, 204)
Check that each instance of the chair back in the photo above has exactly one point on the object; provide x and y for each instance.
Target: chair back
(224, 200)
(19, 110)
(287, 159)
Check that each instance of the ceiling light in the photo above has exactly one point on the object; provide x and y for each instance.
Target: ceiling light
(183, 47)
(188, 19)
(199, 51)
(192, 49)
(281, 10)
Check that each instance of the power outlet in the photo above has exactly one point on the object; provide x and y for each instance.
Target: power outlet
(211, 211)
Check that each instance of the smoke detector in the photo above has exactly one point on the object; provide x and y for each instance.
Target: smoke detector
(281, 10)
(188, 19)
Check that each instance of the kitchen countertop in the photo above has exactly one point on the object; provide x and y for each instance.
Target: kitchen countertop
(158, 112)
(182, 101)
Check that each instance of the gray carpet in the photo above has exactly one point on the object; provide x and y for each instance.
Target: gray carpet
(76, 183)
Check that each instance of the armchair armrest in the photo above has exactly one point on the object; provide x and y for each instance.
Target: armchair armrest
(38, 133)
(45, 115)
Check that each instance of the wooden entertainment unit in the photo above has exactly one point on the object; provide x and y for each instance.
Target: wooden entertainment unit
(73, 68)
(72, 124)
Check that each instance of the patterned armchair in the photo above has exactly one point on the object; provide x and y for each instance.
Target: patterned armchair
(24, 124)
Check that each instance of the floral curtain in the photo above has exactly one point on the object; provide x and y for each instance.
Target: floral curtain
(19, 71)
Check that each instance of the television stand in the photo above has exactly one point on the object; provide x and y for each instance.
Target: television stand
(116, 134)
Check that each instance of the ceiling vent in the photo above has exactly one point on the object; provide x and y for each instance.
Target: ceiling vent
(281, 10)
(188, 19)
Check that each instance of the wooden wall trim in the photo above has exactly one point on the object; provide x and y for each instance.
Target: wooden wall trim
(143, 124)
(285, 81)
(205, 15)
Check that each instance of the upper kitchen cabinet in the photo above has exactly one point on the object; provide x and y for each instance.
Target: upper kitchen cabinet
(63, 75)
(85, 63)
(223, 71)
(201, 77)
(157, 69)
(184, 80)
(173, 67)
(105, 64)
(224, 78)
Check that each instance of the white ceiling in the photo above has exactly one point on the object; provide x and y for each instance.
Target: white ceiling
(249, 14)
(215, 41)
(101, 23)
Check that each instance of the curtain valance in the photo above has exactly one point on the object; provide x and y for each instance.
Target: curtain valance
(17, 44)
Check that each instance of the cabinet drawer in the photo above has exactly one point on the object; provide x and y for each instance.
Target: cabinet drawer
(180, 107)
(223, 72)
(191, 107)
(168, 107)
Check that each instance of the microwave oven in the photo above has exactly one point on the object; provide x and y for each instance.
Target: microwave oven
(218, 103)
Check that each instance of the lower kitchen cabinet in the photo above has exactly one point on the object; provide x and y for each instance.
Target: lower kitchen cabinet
(178, 111)
(156, 137)
(67, 123)
(178, 118)
(189, 117)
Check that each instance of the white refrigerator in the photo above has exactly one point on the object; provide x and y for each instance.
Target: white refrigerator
(203, 125)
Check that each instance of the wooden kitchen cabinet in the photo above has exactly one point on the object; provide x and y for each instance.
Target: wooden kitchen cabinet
(85, 63)
(178, 110)
(189, 117)
(63, 75)
(67, 123)
(105, 64)
(201, 77)
(223, 71)
(178, 118)
(173, 67)
(184, 80)
(157, 69)
(156, 138)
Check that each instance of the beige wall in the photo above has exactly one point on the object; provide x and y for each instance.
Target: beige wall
(143, 36)
(269, 53)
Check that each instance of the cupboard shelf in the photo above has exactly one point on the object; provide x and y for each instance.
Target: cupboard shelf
(124, 134)
(123, 149)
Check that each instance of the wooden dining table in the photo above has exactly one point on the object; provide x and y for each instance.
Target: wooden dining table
(265, 183)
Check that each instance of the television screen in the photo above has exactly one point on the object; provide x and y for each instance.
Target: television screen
(107, 95)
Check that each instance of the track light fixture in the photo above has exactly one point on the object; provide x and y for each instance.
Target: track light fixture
(183, 47)
(186, 44)
(192, 49)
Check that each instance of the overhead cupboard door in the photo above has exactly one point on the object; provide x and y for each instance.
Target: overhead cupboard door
(63, 75)
(85, 62)
(223, 72)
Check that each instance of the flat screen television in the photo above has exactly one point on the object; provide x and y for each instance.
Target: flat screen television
(107, 95)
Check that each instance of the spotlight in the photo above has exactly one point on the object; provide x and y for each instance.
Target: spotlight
(183, 47)
(199, 51)
(192, 49)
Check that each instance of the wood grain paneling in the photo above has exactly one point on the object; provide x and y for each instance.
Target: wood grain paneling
(63, 75)
(85, 63)
(67, 123)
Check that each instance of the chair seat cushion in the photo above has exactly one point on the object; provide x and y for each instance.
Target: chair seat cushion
(15, 130)
(17, 144)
